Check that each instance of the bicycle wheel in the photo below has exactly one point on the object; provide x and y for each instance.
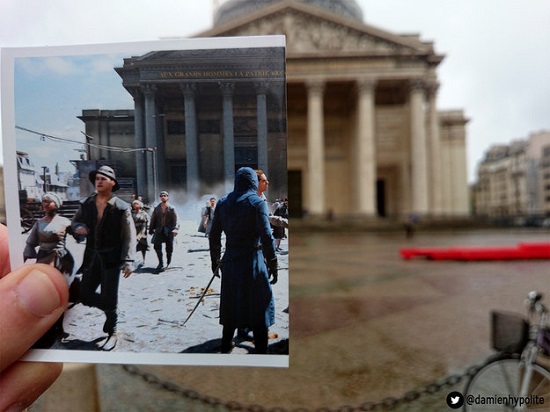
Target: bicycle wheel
(501, 379)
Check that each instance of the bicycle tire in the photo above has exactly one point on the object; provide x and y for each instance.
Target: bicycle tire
(501, 377)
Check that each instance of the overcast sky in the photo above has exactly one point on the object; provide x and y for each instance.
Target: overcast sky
(497, 51)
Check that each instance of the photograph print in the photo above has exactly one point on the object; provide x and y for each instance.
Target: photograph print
(153, 175)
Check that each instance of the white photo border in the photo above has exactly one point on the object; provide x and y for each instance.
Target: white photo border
(7, 106)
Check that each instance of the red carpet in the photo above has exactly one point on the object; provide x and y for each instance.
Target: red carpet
(521, 251)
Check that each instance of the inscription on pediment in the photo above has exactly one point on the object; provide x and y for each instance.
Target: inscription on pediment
(306, 33)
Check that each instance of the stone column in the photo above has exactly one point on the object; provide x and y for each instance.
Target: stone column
(191, 141)
(140, 142)
(436, 185)
(446, 177)
(261, 125)
(315, 148)
(365, 149)
(160, 153)
(228, 136)
(419, 159)
(150, 139)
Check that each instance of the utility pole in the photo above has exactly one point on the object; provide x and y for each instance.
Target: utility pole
(45, 170)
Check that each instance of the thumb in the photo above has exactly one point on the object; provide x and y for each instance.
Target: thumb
(4, 251)
(31, 299)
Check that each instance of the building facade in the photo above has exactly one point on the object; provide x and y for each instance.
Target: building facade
(514, 180)
(365, 136)
(199, 115)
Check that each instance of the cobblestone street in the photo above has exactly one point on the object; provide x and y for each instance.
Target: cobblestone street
(153, 306)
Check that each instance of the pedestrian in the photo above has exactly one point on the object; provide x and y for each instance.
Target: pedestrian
(279, 231)
(208, 215)
(409, 225)
(141, 222)
(248, 263)
(49, 235)
(164, 227)
(202, 228)
(105, 221)
(263, 184)
(145, 206)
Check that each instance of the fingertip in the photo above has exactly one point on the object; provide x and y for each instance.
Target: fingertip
(32, 298)
(41, 291)
(57, 279)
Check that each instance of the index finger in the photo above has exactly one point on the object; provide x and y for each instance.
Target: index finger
(4, 251)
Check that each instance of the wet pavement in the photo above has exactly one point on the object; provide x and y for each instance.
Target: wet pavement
(365, 325)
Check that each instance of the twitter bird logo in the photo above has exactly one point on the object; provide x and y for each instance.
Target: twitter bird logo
(455, 400)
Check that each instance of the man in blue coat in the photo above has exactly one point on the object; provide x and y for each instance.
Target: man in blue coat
(248, 263)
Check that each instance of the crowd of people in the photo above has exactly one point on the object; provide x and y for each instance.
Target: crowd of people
(118, 236)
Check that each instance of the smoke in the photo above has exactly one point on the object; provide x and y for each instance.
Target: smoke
(189, 207)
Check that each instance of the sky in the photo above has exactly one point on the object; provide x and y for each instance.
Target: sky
(497, 55)
(50, 92)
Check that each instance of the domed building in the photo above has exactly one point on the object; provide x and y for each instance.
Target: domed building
(365, 137)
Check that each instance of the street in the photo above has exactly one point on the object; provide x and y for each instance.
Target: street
(153, 306)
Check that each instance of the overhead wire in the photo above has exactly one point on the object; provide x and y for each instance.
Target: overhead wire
(87, 143)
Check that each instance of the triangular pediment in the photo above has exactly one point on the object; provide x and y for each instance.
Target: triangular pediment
(311, 30)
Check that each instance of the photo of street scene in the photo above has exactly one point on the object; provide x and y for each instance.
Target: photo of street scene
(147, 174)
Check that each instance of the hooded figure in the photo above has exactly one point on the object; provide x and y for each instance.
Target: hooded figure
(248, 262)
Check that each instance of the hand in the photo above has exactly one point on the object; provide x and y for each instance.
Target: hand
(273, 271)
(215, 266)
(127, 269)
(31, 299)
(80, 232)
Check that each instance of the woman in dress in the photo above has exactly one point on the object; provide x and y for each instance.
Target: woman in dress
(141, 221)
(49, 236)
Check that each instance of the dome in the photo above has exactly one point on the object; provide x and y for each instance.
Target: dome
(233, 9)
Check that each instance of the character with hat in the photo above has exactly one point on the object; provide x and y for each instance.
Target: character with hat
(49, 235)
(164, 227)
(105, 221)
